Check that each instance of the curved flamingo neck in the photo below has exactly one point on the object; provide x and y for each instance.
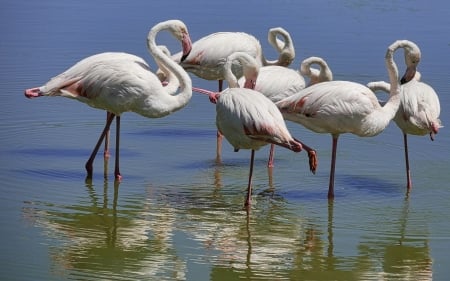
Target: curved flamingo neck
(250, 69)
(169, 80)
(185, 94)
(393, 103)
(314, 75)
(285, 48)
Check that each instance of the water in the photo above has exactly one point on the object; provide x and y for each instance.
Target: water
(177, 215)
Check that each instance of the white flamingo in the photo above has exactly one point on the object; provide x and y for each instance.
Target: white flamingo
(338, 107)
(419, 109)
(249, 120)
(209, 54)
(121, 82)
(275, 82)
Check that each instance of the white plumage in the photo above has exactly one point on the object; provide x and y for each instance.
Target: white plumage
(419, 109)
(338, 107)
(121, 82)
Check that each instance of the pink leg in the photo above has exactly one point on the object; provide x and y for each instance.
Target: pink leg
(90, 161)
(219, 147)
(106, 150)
(333, 166)
(408, 171)
(312, 156)
(117, 175)
(271, 154)
(248, 200)
(270, 175)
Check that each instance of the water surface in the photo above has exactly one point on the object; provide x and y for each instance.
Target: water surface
(177, 215)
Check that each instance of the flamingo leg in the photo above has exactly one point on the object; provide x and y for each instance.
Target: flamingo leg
(219, 147)
(90, 161)
(117, 175)
(408, 171)
(248, 200)
(219, 135)
(106, 150)
(333, 166)
(271, 154)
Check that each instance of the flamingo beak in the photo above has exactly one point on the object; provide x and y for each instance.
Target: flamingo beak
(187, 46)
(409, 75)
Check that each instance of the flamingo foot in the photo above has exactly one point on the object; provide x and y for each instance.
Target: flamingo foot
(213, 97)
(33, 93)
(313, 161)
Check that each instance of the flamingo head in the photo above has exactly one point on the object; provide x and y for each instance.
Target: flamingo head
(412, 59)
(180, 31)
(187, 45)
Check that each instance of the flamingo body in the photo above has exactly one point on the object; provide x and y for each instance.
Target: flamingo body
(337, 107)
(209, 54)
(278, 82)
(248, 120)
(116, 82)
(419, 110)
(121, 82)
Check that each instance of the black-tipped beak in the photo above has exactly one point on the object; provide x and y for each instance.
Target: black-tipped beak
(185, 56)
(409, 75)
(187, 47)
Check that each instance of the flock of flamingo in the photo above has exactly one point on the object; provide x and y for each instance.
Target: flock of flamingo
(261, 94)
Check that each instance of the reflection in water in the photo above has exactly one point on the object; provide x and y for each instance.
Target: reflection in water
(134, 237)
(100, 239)
(403, 255)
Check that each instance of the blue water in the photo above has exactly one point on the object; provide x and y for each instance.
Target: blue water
(177, 215)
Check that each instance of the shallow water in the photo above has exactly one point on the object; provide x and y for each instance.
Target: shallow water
(177, 215)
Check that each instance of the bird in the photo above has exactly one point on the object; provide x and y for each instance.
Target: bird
(249, 120)
(121, 82)
(170, 83)
(338, 107)
(419, 109)
(275, 82)
(209, 54)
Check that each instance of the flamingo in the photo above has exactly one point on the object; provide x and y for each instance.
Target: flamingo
(249, 120)
(275, 82)
(209, 54)
(121, 82)
(338, 107)
(167, 78)
(419, 109)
